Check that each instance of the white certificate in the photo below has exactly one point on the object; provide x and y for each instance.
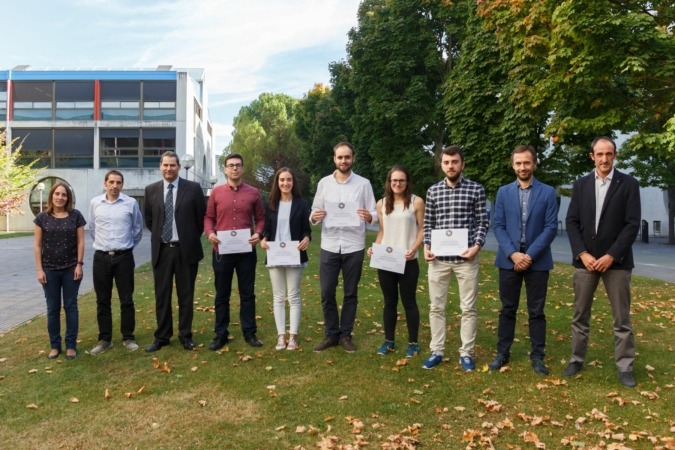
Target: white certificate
(449, 242)
(342, 214)
(234, 241)
(283, 253)
(388, 258)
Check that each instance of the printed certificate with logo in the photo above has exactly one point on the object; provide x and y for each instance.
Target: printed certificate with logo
(341, 214)
(388, 258)
(283, 253)
(449, 242)
(234, 241)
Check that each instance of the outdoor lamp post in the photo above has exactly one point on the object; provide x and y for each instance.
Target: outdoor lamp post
(213, 180)
(188, 162)
(41, 188)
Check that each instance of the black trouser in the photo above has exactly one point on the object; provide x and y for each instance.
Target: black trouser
(170, 265)
(117, 268)
(391, 284)
(224, 267)
(536, 283)
(339, 325)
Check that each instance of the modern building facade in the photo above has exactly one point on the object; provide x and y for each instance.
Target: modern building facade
(79, 124)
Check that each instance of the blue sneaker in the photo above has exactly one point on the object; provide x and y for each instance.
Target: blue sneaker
(413, 350)
(467, 363)
(434, 360)
(388, 346)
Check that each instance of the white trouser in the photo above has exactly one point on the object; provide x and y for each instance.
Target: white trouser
(286, 282)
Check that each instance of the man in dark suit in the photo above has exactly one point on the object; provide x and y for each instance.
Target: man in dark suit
(525, 224)
(603, 220)
(174, 213)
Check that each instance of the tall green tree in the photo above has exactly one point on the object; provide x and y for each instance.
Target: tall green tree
(399, 55)
(264, 135)
(600, 67)
(15, 179)
(319, 124)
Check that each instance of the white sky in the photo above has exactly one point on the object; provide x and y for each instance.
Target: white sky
(246, 46)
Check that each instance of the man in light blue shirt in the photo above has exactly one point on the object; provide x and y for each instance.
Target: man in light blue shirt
(116, 225)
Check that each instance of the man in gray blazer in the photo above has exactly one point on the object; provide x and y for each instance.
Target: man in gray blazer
(525, 223)
(174, 213)
(603, 220)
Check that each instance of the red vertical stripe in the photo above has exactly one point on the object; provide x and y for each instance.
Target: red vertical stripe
(97, 100)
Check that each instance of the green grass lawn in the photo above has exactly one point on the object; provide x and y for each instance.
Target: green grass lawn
(262, 398)
(13, 234)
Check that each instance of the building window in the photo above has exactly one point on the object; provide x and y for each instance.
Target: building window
(119, 148)
(35, 143)
(159, 100)
(155, 142)
(32, 100)
(3, 101)
(74, 149)
(120, 100)
(74, 100)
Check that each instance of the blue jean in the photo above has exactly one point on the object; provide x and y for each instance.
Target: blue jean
(61, 285)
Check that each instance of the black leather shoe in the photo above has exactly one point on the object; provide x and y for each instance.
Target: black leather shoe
(499, 362)
(539, 367)
(626, 378)
(572, 369)
(187, 344)
(156, 346)
(217, 343)
(252, 340)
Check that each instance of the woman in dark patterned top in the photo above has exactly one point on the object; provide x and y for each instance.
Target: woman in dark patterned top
(59, 249)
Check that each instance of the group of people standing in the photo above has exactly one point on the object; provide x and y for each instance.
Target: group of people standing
(602, 223)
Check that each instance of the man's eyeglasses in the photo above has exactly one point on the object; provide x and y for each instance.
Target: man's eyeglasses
(399, 181)
(234, 166)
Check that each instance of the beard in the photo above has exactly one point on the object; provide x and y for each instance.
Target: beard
(454, 178)
(346, 169)
(525, 178)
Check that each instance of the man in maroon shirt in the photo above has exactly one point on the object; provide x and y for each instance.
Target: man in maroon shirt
(234, 205)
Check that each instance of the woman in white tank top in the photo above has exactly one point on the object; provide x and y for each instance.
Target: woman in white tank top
(401, 226)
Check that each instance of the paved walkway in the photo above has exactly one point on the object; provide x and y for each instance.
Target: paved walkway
(22, 298)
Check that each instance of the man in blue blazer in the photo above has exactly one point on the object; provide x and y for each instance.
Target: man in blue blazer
(525, 223)
(603, 220)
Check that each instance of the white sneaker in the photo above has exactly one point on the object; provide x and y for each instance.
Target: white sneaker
(130, 344)
(281, 342)
(292, 344)
(100, 347)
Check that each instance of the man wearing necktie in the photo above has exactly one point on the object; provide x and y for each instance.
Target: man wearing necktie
(174, 213)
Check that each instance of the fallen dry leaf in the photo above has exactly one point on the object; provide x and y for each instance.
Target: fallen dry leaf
(74, 400)
(32, 406)
(281, 428)
(106, 394)
(246, 358)
(33, 371)
(129, 394)
(141, 390)
(194, 369)
(300, 429)
(155, 363)
(165, 368)
(344, 397)
(402, 362)
(459, 408)
(202, 403)
(2, 360)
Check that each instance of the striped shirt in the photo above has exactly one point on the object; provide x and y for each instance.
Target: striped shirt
(460, 207)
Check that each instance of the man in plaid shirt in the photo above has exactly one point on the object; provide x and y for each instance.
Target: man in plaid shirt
(454, 203)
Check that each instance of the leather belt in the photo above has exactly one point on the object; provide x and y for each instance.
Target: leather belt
(114, 252)
(171, 244)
